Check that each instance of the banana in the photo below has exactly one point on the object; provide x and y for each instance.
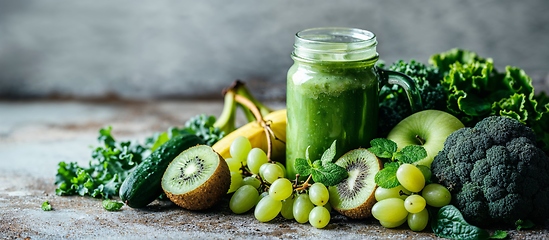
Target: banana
(255, 133)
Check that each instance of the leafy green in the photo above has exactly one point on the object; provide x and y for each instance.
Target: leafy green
(393, 102)
(449, 223)
(524, 224)
(322, 170)
(110, 165)
(499, 234)
(203, 126)
(111, 205)
(477, 90)
(46, 206)
(387, 149)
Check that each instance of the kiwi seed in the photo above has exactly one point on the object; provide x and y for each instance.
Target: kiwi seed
(197, 178)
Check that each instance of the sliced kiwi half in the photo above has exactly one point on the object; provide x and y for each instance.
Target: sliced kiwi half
(354, 196)
(197, 178)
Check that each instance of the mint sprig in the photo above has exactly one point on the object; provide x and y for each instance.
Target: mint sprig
(387, 149)
(322, 170)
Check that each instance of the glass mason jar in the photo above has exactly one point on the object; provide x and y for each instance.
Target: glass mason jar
(332, 92)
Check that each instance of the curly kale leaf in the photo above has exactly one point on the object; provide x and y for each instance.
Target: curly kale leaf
(203, 126)
(478, 90)
(110, 165)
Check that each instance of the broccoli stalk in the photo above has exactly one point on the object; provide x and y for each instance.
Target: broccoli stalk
(495, 172)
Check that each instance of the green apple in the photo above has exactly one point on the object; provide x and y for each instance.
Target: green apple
(427, 128)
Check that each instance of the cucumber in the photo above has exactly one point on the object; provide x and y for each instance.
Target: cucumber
(143, 184)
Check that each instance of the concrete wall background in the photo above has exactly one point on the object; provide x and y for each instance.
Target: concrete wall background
(168, 48)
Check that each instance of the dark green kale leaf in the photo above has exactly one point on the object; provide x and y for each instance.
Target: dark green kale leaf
(393, 102)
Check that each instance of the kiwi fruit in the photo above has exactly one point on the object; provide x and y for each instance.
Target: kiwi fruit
(354, 196)
(197, 178)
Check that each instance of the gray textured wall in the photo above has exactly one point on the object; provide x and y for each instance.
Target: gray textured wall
(143, 49)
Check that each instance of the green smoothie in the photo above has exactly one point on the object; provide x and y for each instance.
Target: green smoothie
(330, 101)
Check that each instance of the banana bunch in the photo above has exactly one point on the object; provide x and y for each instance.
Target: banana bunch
(255, 132)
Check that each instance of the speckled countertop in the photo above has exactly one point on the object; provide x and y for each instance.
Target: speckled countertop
(36, 135)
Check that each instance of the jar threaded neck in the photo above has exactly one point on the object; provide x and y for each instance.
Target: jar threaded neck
(335, 44)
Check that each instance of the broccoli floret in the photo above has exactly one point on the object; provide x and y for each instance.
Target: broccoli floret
(495, 172)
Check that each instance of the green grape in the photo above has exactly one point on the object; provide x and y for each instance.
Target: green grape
(287, 210)
(418, 221)
(262, 195)
(410, 177)
(256, 158)
(302, 207)
(284, 169)
(239, 148)
(281, 189)
(389, 210)
(436, 195)
(318, 193)
(251, 180)
(392, 224)
(384, 193)
(243, 199)
(267, 209)
(414, 203)
(262, 169)
(426, 171)
(319, 217)
(234, 164)
(272, 172)
(236, 181)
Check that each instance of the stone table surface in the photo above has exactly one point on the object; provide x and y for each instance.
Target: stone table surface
(36, 135)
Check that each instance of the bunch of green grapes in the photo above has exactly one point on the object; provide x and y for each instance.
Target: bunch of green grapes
(258, 183)
(408, 202)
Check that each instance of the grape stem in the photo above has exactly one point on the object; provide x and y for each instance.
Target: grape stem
(305, 185)
(259, 118)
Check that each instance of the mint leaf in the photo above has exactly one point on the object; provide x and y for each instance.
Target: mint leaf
(302, 167)
(329, 154)
(317, 164)
(411, 154)
(383, 148)
(329, 174)
(110, 205)
(386, 177)
(499, 234)
(307, 156)
(46, 206)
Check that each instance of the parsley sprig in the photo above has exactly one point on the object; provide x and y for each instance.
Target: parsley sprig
(387, 149)
(322, 170)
